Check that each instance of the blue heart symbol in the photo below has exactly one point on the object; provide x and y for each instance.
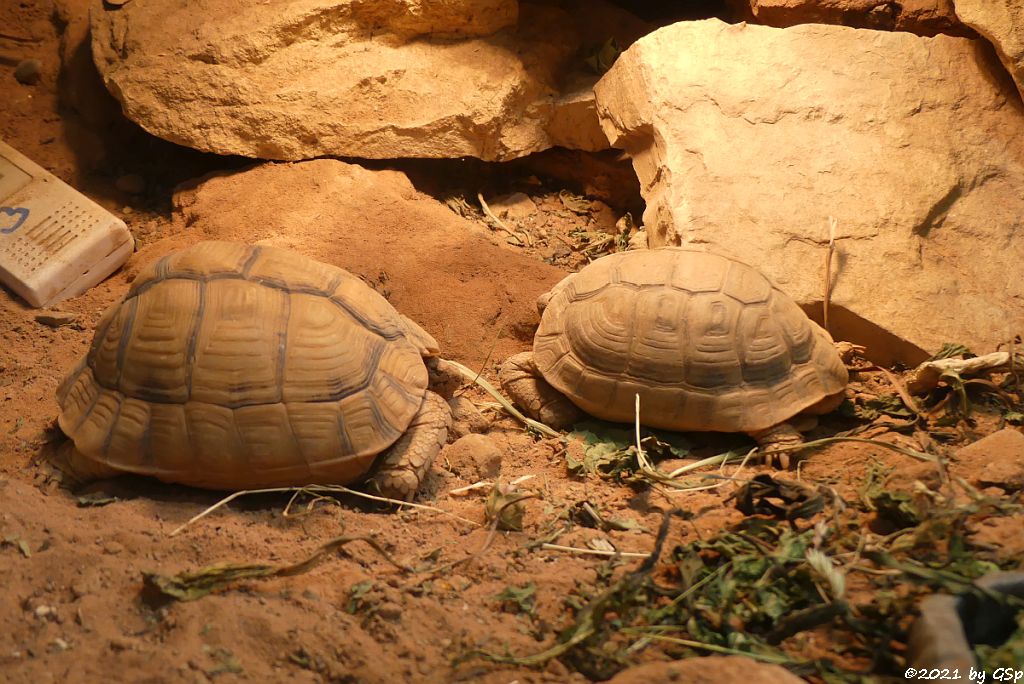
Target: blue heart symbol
(20, 214)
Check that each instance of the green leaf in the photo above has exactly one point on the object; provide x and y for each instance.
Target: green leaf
(519, 599)
(951, 349)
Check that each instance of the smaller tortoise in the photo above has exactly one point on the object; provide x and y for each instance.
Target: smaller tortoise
(706, 341)
(229, 366)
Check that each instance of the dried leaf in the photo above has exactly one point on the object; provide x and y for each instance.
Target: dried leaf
(604, 57)
(779, 498)
(95, 499)
(574, 203)
(505, 508)
(18, 543)
(189, 586)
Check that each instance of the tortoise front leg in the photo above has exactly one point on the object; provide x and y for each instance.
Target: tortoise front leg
(781, 435)
(531, 392)
(402, 468)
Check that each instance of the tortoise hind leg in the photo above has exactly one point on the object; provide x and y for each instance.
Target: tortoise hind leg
(77, 470)
(531, 392)
(771, 439)
(403, 467)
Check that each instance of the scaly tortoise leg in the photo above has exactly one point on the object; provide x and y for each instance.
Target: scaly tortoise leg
(77, 470)
(769, 440)
(522, 381)
(402, 467)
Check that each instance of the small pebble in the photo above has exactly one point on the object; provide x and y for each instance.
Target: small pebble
(56, 319)
(474, 457)
(113, 548)
(389, 611)
(28, 71)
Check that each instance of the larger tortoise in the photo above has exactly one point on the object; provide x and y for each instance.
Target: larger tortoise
(230, 366)
(706, 341)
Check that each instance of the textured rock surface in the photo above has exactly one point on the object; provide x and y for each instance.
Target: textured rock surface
(359, 78)
(440, 18)
(923, 17)
(704, 670)
(754, 140)
(474, 457)
(996, 460)
(1002, 23)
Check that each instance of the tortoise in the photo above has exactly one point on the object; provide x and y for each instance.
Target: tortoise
(230, 366)
(707, 342)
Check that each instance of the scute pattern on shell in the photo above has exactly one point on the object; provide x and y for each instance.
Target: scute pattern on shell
(232, 366)
(708, 343)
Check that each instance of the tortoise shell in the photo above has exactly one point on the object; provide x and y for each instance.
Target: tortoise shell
(707, 342)
(233, 366)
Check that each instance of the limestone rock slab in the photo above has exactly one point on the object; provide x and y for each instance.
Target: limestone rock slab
(923, 17)
(380, 79)
(747, 139)
(1002, 23)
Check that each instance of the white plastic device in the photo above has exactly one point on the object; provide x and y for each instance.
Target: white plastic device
(55, 242)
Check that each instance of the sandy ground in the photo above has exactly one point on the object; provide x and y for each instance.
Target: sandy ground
(73, 608)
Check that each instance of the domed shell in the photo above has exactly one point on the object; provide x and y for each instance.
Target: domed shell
(234, 366)
(708, 343)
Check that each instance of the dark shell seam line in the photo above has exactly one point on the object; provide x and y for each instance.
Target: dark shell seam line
(193, 340)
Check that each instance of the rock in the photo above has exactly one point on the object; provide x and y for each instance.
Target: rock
(438, 18)
(55, 319)
(752, 142)
(439, 274)
(466, 417)
(708, 669)
(995, 460)
(474, 457)
(371, 78)
(638, 241)
(517, 205)
(28, 71)
(1002, 23)
(132, 183)
(923, 17)
(390, 611)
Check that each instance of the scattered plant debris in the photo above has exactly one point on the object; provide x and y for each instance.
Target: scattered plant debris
(192, 585)
(522, 599)
(760, 586)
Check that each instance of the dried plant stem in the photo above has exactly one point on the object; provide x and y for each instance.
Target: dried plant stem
(647, 634)
(498, 222)
(827, 296)
(593, 552)
(314, 489)
(505, 403)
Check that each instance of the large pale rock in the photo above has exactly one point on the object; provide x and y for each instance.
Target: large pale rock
(1002, 23)
(923, 17)
(359, 78)
(747, 139)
